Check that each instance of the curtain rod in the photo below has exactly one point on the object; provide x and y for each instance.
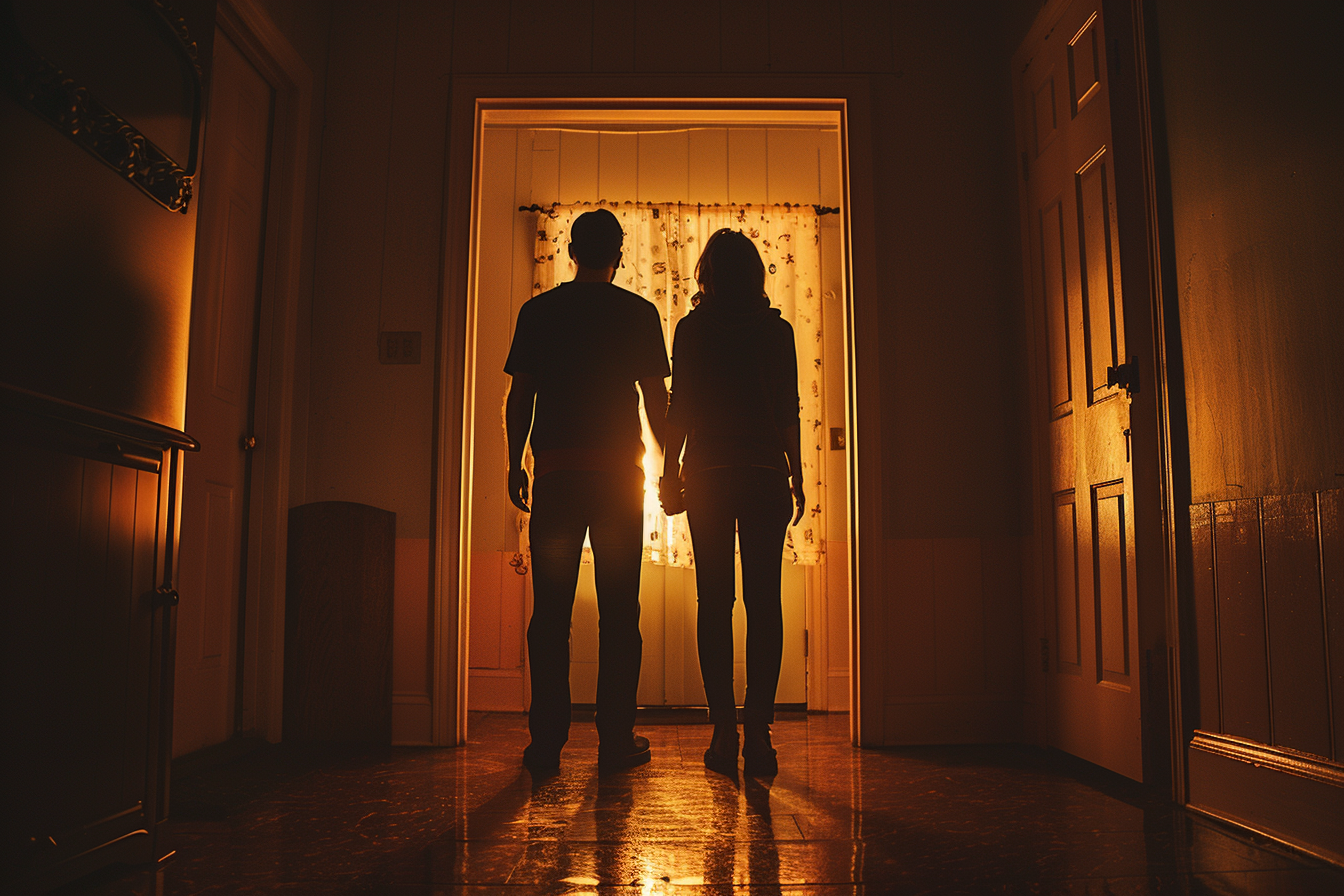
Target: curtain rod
(819, 209)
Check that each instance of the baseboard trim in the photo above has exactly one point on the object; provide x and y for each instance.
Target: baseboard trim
(1282, 794)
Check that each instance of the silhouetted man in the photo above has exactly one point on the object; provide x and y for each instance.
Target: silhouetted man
(578, 352)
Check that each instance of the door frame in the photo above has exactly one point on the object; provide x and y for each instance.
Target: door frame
(1160, 467)
(455, 360)
(263, 44)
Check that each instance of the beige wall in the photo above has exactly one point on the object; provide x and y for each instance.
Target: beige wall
(950, 374)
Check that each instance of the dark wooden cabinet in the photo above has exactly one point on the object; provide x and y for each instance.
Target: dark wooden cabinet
(87, 554)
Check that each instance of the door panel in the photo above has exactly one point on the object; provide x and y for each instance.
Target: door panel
(1084, 486)
(1055, 277)
(219, 397)
(1112, 587)
(1068, 634)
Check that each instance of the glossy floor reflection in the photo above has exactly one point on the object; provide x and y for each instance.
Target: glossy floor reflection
(835, 820)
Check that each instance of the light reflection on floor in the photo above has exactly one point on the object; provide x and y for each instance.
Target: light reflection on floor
(835, 820)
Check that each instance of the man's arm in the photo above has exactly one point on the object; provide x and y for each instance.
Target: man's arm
(517, 424)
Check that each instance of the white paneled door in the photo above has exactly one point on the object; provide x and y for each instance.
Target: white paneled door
(220, 385)
(1085, 519)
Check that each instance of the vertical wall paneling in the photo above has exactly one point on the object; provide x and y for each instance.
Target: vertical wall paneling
(678, 37)
(1297, 642)
(866, 35)
(485, 611)
(615, 40)
(545, 166)
(580, 154)
(1332, 581)
(708, 158)
(549, 37)
(1204, 596)
(663, 166)
(830, 174)
(618, 166)
(746, 175)
(1269, 640)
(1241, 620)
(481, 37)
(793, 167)
(744, 38)
(804, 36)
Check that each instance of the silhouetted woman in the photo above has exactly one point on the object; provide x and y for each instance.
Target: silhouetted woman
(735, 407)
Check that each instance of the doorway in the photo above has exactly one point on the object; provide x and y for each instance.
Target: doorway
(537, 156)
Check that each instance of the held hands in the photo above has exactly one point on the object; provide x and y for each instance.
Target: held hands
(670, 495)
(799, 501)
(518, 489)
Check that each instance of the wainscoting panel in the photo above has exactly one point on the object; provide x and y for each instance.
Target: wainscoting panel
(1269, 638)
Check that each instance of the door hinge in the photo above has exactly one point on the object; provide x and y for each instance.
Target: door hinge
(805, 644)
(1045, 654)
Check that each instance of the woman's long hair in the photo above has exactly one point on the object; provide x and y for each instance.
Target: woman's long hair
(730, 272)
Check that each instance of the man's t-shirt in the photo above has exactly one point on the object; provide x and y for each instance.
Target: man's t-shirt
(585, 346)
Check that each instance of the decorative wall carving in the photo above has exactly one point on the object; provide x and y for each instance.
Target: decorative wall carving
(47, 91)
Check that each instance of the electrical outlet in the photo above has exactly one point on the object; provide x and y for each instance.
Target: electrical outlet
(399, 348)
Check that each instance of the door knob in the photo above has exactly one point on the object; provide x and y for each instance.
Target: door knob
(1126, 376)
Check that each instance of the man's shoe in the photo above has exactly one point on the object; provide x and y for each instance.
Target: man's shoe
(541, 762)
(627, 754)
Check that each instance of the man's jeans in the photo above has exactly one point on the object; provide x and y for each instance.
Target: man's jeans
(609, 506)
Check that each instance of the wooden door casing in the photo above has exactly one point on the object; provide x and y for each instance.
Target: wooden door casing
(1085, 517)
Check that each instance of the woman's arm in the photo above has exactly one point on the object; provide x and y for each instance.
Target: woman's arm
(793, 450)
(674, 432)
(791, 430)
(669, 486)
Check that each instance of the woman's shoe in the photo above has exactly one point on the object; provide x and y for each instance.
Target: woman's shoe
(722, 753)
(758, 756)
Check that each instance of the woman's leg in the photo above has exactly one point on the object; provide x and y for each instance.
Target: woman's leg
(762, 522)
(712, 521)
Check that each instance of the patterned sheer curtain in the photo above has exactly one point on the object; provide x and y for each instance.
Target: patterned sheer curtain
(662, 244)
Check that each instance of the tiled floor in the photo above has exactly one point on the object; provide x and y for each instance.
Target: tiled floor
(836, 820)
